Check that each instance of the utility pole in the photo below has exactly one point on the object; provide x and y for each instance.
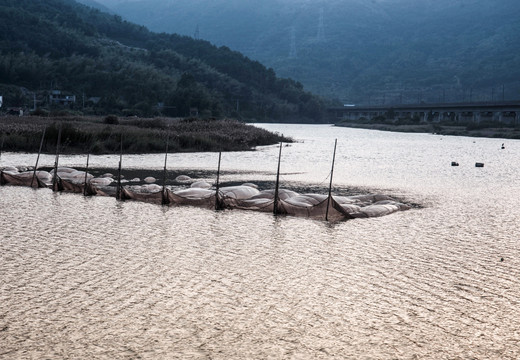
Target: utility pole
(292, 50)
(320, 36)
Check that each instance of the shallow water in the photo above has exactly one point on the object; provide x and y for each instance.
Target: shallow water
(95, 278)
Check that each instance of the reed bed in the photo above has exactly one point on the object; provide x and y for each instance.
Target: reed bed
(102, 135)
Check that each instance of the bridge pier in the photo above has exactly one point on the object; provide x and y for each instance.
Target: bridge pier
(502, 112)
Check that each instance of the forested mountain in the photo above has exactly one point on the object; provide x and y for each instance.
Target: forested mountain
(361, 50)
(96, 5)
(111, 65)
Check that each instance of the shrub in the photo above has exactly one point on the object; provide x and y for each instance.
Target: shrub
(155, 123)
(40, 112)
(111, 119)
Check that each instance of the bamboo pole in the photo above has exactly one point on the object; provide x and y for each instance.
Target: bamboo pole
(2, 144)
(38, 157)
(118, 190)
(1, 147)
(217, 197)
(277, 185)
(164, 199)
(56, 160)
(330, 185)
(86, 173)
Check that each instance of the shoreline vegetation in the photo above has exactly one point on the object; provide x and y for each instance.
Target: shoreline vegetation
(102, 135)
(474, 130)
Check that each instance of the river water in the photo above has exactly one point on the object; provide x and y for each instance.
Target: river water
(96, 278)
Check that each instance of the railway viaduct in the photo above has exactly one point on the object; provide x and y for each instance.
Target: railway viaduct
(503, 112)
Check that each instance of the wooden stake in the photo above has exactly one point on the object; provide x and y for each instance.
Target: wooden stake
(38, 158)
(56, 160)
(330, 185)
(217, 197)
(2, 145)
(118, 191)
(86, 173)
(277, 185)
(164, 199)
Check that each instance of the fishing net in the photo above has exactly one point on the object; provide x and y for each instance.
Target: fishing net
(194, 196)
(144, 194)
(313, 206)
(28, 178)
(245, 197)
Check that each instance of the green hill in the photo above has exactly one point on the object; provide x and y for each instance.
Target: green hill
(113, 66)
(361, 51)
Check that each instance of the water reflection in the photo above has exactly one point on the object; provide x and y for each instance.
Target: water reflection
(95, 278)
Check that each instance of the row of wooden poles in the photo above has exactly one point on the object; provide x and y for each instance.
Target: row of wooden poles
(165, 200)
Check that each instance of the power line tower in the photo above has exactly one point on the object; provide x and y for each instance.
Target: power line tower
(292, 50)
(320, 36)
(196, 35)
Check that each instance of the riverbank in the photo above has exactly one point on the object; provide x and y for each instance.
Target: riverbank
(478, 131)
(102, 135)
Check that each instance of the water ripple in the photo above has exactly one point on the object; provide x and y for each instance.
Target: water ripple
(95, 278)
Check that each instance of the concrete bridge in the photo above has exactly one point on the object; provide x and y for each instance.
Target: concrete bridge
(503, 112)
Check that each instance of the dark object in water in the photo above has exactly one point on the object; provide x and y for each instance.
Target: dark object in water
(479, 164)
(454, 163)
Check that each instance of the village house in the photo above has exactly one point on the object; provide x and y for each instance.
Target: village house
(57, 98)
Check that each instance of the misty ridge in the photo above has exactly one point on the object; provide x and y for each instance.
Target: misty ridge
(359, 51)
(60, 55)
